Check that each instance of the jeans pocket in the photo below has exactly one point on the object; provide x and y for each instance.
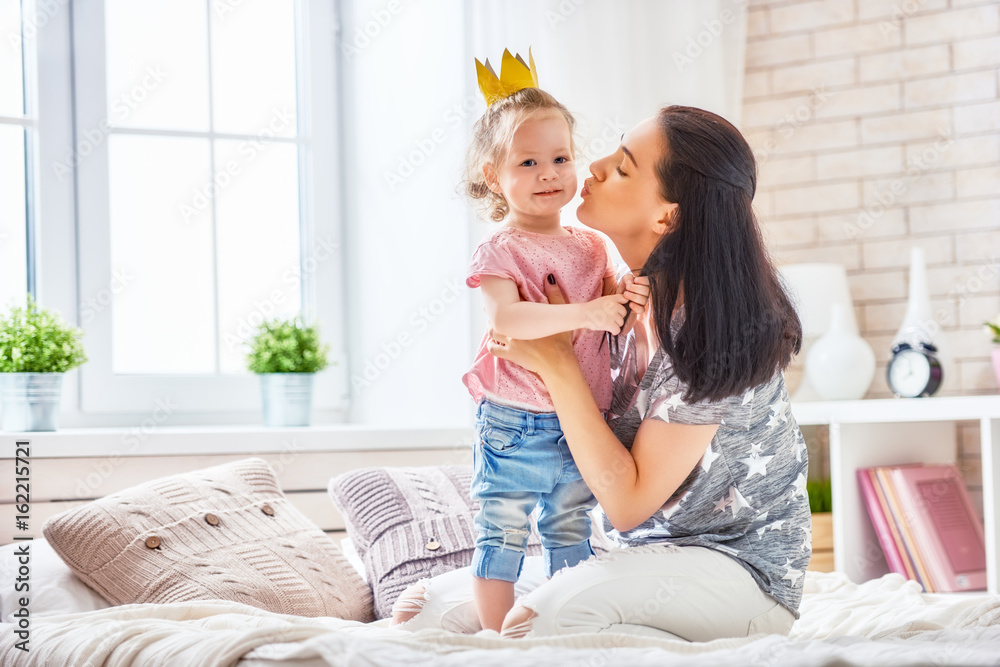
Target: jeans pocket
(502, 440)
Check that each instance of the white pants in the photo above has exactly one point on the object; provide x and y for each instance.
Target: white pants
(689, 593)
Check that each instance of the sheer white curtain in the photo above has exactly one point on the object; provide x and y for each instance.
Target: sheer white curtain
(409, 100)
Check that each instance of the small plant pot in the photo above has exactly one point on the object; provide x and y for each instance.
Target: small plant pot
(287, 398)
(996, 364)
(30, 401)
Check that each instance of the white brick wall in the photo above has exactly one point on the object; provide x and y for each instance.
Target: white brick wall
(877, 127)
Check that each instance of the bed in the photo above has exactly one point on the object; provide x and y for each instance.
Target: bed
(886, 621)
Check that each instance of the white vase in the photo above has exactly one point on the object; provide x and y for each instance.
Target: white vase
(919, 325)
(840, 364)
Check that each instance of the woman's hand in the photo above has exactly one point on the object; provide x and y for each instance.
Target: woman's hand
(541, 355)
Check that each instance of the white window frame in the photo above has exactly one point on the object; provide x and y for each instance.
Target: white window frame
(29, 126)
(219, 398)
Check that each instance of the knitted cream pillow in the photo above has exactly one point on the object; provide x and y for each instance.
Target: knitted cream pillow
(409, 524)
(225, 532)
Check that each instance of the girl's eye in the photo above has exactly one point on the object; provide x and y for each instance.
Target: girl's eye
(528, 163)
(561, 160)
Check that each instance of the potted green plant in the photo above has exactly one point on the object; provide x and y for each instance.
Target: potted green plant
(821, 505)
(36, 348)
(286, 354)
(994, 328)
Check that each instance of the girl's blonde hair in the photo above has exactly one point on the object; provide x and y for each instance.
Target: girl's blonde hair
(491, 138)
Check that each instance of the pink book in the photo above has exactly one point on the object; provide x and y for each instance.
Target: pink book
(881, 525)
(944, 524)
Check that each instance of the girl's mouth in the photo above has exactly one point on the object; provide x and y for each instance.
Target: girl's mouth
(548, 193)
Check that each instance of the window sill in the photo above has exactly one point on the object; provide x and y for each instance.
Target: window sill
(251, 439)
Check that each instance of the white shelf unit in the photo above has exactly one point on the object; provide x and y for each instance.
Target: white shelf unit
(892, 431)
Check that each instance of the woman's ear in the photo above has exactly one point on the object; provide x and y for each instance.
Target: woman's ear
(667, 219)
(492, 181)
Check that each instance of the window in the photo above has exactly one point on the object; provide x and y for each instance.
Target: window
(196, 157)
(16, 136)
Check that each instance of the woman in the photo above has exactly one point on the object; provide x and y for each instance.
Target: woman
(700, 471)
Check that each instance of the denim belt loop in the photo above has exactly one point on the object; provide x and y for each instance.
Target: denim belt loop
(531, 424)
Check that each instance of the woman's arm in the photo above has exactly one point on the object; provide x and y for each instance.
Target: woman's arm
(631, 484)
(526, 320)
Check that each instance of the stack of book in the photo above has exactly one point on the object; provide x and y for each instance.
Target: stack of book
(927, 525)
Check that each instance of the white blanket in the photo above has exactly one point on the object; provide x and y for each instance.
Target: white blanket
(882, 622)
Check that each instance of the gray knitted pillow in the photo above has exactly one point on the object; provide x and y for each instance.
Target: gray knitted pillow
(223, 533)
(409, 524)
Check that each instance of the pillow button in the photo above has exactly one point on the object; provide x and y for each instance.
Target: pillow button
(267, 509)
(211, 520)
(152, 542)
(433, 545)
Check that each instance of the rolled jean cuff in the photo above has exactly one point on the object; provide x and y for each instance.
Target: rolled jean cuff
(559, 557)
(490, 562)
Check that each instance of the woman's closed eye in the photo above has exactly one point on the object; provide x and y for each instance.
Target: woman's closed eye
(618, 168)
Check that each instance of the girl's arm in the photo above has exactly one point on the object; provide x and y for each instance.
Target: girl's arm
(526, 320)
(631, 484)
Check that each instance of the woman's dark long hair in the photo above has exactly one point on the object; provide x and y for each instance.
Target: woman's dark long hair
(739, 326)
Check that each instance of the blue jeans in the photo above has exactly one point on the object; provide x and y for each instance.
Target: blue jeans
(522, 460)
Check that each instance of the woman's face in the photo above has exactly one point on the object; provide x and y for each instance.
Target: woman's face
(622, 198)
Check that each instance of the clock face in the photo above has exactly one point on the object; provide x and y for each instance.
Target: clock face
(909, 373)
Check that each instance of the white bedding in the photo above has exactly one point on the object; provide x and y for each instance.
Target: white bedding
(882, 622)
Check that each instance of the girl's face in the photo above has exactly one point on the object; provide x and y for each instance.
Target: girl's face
(538, 176)
(622, 198)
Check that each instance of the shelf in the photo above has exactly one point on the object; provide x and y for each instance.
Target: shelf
(887, 410)
(894, 431)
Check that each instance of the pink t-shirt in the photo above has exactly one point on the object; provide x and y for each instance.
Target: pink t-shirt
(579, 262)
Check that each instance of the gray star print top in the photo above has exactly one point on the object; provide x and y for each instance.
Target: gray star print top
(747, 496)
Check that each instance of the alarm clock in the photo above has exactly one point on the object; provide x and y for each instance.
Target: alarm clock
(914, 371)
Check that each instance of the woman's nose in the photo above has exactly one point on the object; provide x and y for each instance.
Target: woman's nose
(599, 167)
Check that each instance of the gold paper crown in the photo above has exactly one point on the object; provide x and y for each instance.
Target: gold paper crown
(515, 75)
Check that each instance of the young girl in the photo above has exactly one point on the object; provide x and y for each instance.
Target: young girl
(521, 168)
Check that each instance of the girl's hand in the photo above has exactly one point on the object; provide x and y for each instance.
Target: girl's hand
(636, 290)
(606, 313)
(541, 355)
